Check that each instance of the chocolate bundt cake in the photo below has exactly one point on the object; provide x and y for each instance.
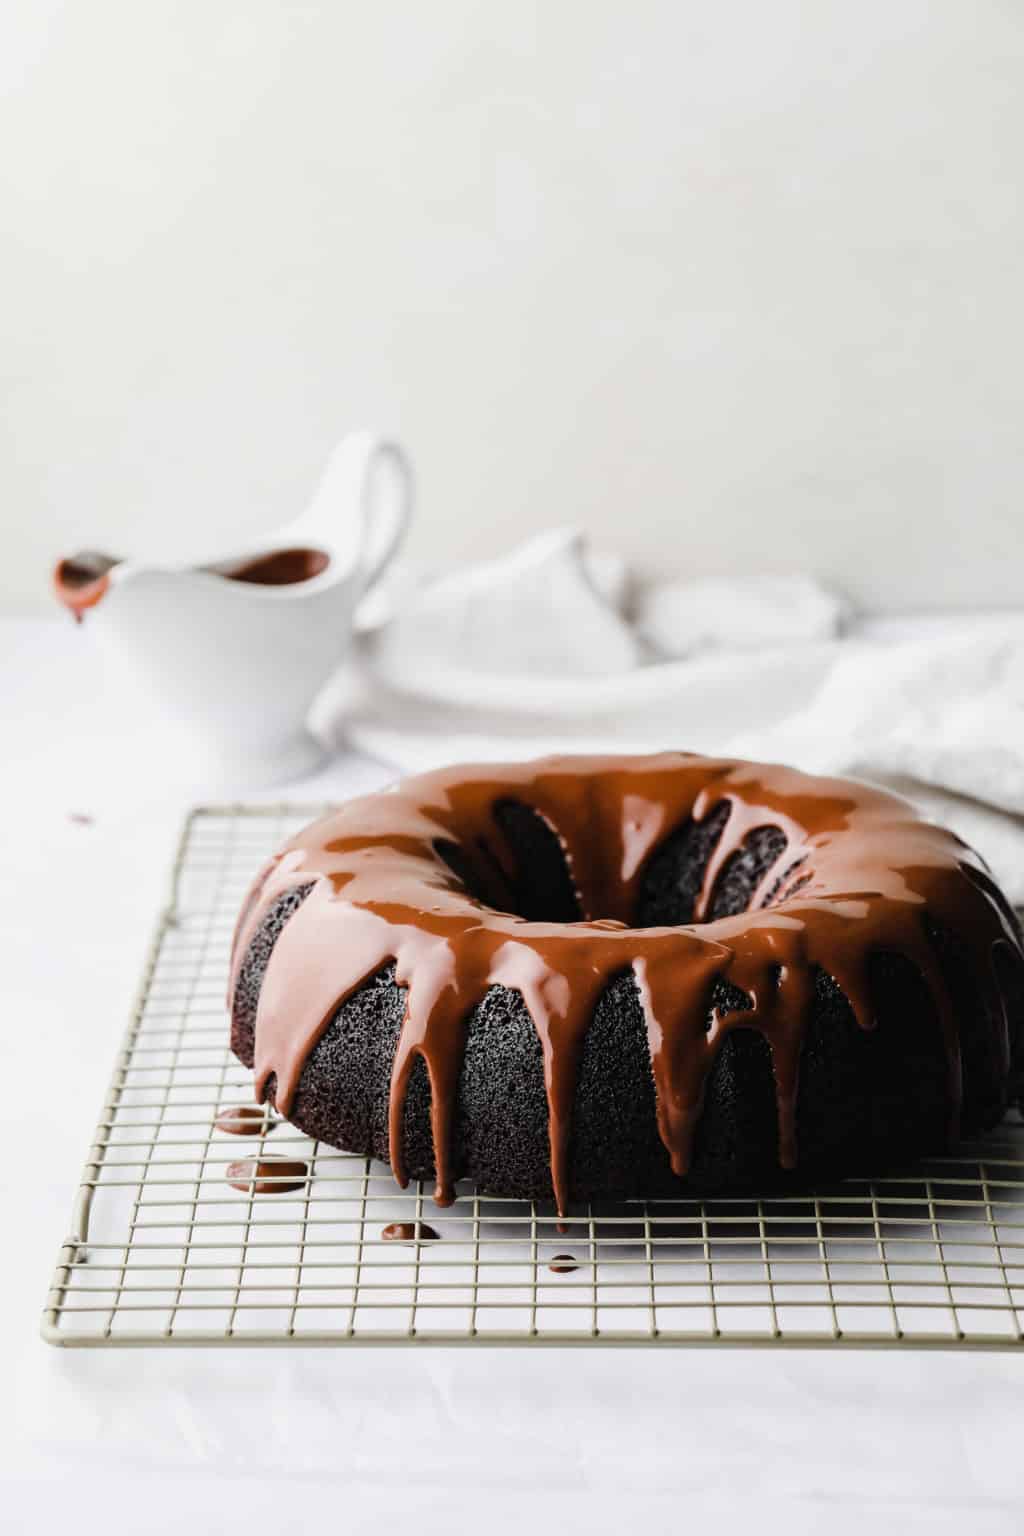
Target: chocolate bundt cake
(629, 976)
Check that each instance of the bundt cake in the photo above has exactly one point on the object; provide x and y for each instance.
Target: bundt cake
(619, 977)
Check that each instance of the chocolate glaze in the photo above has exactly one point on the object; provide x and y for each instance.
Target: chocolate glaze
(408, 1232)
(563, 1264)
(81, 580)
(268, 1176)
(279, 568)
(243, 1120)
(857, 874)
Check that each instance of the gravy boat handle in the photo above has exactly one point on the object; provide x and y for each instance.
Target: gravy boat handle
(362, 505)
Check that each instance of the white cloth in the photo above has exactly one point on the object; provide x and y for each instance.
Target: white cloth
(934, 708)
(682, 618)
(505, 617)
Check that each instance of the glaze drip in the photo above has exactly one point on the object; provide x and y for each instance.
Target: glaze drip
(394, 878)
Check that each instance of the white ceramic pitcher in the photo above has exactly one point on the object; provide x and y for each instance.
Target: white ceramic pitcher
(234, 650)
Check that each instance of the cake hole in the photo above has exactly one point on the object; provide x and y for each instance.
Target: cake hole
(672, 877)
(544, 889)
(481, 876)
(744, 870)
(541, 888)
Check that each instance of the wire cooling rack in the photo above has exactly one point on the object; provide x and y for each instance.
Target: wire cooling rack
(164, 1250)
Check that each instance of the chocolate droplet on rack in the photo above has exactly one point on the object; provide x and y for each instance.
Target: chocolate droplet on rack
(408, 1232)
(268, 1176)
(243, 1120)
(563, 1264)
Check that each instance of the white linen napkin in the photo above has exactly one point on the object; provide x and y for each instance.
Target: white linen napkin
(542, 610)
(529, 655)
(682, 618)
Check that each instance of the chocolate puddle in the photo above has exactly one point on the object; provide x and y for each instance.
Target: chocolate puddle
(243, 1120)
(408, 1232)
(278, 568)
(268, 1176)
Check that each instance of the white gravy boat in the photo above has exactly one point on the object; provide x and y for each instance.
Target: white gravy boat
(234, 650)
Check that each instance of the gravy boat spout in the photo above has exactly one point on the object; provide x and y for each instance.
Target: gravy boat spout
(80, 580)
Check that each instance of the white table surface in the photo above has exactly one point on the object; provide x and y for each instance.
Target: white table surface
(388, 1440)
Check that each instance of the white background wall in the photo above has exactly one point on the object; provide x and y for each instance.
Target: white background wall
(735, 283)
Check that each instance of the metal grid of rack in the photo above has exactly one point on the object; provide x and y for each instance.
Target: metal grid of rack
(165, 1250)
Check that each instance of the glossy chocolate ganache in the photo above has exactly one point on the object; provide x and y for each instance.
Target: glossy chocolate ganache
(422, 876)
